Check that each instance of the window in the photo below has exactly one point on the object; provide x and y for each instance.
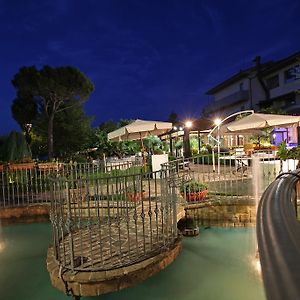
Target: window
(272, 82)
(292, 74)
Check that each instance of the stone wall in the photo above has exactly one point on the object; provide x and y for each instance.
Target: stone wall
(225, 213)
(95, 283)
(25, 214)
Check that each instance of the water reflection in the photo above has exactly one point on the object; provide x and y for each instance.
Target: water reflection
(254, 261)
(2, 246)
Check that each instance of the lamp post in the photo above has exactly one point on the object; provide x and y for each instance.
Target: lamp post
(218, 122)
(28, 127)
(218, 127)
(186, 139)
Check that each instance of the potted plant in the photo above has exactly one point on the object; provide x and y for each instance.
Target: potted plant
(134, 193)
(194, 191)
(289, 158)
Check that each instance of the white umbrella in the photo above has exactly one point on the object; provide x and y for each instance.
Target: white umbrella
(260, 121)
(138, 130)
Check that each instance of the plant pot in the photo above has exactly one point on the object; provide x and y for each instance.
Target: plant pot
(22, 166)
(195, 197)
(135, 197)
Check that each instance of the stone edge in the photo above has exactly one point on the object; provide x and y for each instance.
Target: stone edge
(102, 282)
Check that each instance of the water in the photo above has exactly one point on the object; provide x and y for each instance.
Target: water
(218, 264)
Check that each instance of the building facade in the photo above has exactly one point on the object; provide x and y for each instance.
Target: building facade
(275, 85)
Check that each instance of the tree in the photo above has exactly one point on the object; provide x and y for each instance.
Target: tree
(173, 118)
(49, 91)
(119, 149)
(15, 148)
(24, 117)
(72, 129)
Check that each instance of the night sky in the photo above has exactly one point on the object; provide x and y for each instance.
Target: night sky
(145, 58)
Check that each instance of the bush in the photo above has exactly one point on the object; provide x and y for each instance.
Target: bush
(193, 187)
(282, 151)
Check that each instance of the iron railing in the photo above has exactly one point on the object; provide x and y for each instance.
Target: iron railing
(278, 232)
(227, 176)
(26, 184)
(105, 223)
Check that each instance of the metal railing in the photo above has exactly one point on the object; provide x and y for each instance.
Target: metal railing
(106, 223)
(227, 176)
(278, 232)
(26, 184)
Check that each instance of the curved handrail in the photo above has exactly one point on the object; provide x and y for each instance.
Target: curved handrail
(278, 233)
(100, 224)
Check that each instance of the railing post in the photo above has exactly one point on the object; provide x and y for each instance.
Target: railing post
(68, 226)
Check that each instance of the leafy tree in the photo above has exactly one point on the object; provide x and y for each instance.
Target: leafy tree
(15, 148)
(194, 146)
(108, 126)
(173, 118)
(25, 117)
(38, 143)
(152, 143)
(130, 147)
(109, 148)
(124, 122)
(72, 129)
(48, 91)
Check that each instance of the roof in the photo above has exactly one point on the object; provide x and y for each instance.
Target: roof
(266, 68)
(280, 64)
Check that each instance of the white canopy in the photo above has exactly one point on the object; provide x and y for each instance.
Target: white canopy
(259, 121)
(139, 129)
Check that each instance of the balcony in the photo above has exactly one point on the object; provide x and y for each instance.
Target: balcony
(233, 99)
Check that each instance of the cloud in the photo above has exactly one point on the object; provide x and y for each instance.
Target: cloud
(215, 18)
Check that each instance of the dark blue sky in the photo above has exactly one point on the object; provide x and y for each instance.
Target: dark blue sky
(145, 58)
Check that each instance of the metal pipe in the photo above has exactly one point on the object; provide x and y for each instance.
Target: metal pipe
(278, 233)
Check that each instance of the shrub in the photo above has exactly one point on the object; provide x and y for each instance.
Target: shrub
(193, 187)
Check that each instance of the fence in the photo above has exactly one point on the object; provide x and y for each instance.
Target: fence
(106, 223)
(226, 176)
(26, 184)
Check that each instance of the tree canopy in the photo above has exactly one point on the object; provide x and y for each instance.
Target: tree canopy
(42, 94)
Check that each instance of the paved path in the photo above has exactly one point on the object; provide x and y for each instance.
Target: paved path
(120, 239)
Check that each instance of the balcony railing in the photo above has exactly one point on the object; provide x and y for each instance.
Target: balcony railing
(240, 96)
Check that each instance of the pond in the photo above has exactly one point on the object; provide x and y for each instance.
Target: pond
(218, 264)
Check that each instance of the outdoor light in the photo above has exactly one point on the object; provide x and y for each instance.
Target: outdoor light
(180, 128)
(188, 124)
(274, 136)
(175, 128)
(218, 122)
(28, 126)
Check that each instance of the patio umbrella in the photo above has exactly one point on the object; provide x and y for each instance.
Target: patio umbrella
(138, 130)
(259, 121)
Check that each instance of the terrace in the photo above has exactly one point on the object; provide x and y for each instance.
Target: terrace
(113, 225)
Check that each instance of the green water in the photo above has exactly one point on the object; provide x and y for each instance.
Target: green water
(216, 265)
